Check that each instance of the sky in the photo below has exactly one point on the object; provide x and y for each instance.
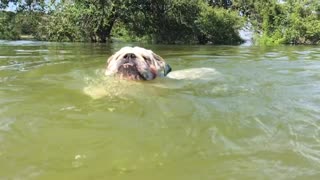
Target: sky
(13, 7)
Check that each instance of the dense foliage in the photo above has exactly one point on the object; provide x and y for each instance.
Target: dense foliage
(9, 28)
(283, 21)
(162, 21)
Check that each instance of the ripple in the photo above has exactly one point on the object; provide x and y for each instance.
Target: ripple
(5, 123)
(31, 51)
(223, 113)
(25, 66)
(301, 138)
(23, 43)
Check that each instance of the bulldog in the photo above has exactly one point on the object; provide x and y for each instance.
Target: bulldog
(136, 63)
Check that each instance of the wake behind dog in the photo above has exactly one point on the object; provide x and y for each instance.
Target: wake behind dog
(100, 86)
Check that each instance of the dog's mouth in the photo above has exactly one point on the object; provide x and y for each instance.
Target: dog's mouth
(129, 71)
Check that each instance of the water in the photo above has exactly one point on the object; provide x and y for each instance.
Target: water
(252, 113)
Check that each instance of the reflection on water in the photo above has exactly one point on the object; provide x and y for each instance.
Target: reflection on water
(225, 112)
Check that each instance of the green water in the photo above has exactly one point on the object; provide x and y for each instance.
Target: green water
(256, 117)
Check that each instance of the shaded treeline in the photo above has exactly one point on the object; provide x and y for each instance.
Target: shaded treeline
(162, 21)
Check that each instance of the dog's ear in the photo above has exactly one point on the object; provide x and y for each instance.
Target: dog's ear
(110, 58)
(157, 57)
(167, 69)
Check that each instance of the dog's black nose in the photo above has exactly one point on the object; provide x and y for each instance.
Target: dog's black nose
(129, 56)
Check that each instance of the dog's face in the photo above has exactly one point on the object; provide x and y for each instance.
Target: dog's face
(136, 63)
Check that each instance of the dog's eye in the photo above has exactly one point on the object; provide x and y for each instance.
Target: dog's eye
(147, 59)
(157, 57)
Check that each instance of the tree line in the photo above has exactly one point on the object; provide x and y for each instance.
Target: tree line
(162, 21)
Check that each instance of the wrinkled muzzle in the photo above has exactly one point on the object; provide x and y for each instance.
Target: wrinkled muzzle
(129, 68)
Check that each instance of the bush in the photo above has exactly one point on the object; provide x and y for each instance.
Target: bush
(219, 26)
(9, 27)
(186, 21)
(62, 26)
(290, 23)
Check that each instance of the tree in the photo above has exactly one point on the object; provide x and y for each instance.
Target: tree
(220, 3)
(219, 26)
(166, 21)
(101, 16)
(162, 21)
(9, 28)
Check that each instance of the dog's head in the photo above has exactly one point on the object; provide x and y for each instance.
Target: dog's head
(136, 63)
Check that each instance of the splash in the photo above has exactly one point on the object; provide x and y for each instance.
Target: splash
(195, 74)
(99, 86)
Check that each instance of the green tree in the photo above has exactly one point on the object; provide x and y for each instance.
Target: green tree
(219, 26)
(184, 21)
(220, 3)
(24, 20)
(162, 21)
(285, 22)
(165, 21)
(9, 28)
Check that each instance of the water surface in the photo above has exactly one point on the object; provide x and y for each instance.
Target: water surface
(256, 117)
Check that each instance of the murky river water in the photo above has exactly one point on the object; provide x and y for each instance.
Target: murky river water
(254, 115)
